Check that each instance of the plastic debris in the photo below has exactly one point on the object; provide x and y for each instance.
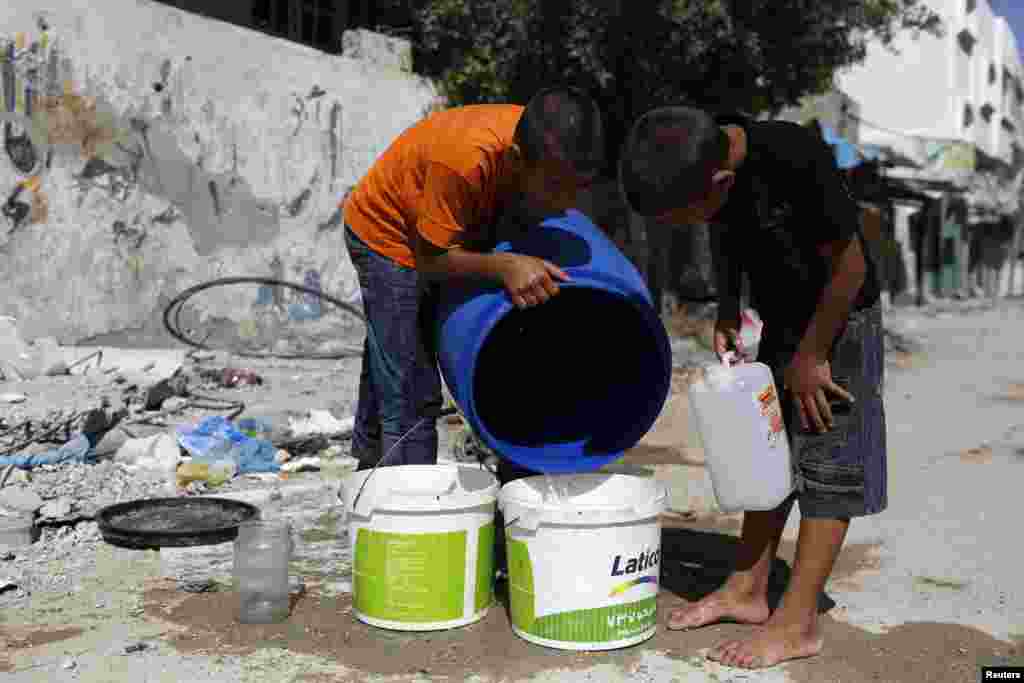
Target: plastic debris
(216, 440)
(255, 427)
(191, 472)
(320, 422)
(305, 464)
(749, 338)
(78, 450)
(234, 377)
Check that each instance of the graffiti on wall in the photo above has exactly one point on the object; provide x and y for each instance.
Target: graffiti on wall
(22, 64)
(39, 112)
(120, 155)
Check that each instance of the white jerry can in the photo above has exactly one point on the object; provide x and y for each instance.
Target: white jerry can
(739, 417)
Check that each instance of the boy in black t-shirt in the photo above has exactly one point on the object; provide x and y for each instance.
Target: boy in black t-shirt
(782, 213)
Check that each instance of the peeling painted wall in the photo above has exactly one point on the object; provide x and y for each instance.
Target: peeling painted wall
(146, 150)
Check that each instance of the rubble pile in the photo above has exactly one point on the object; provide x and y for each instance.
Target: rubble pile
(78, 491)
(151, 425)
(30, 570)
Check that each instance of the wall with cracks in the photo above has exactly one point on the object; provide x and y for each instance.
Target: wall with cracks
(146, 150)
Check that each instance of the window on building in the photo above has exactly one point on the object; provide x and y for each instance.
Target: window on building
(1019, 91)
(317, 23)
(987, 111)
(1008, 125)
(966, 41)
(968, 116)
(393, 16)
(971, 5)
(991, 73)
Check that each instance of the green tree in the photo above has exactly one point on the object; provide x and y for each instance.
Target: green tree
(749, 55)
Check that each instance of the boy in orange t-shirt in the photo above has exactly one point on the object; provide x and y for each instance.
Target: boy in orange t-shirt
(425, 213)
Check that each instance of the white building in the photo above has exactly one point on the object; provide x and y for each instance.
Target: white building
(946, 103)
(967, 85)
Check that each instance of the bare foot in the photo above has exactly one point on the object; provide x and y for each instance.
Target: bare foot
(771, 645)
(723, 604)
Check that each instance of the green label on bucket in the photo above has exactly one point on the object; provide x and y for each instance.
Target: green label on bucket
(598, 625)
(485, 568)
(416, 578)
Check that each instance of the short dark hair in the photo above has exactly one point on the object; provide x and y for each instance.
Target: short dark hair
(565, 124)
(669, 159)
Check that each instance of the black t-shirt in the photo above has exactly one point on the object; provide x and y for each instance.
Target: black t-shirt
(790, 198)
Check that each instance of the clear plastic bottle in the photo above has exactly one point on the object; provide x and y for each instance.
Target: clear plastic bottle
(263, 552)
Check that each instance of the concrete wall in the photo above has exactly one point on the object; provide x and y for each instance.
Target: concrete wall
(181, 149)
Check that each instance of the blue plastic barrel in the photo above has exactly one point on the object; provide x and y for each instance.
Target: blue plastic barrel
(571, 384)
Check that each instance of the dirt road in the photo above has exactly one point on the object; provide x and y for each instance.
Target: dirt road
(930, 590)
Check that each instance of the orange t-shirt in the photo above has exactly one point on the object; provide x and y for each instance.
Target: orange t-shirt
(438, 180)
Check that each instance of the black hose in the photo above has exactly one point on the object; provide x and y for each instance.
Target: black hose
(174, 308)
(217, 404)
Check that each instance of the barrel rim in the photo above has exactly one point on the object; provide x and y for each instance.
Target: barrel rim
(454, 503)
(610, 285)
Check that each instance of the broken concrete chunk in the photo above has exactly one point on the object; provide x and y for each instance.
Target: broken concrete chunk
(16, 532)
(164, 390)
(174, 404)
(157, 453)
(56, 509)
(20, 498)
(58, 369)
(111, 442)
(200, 586)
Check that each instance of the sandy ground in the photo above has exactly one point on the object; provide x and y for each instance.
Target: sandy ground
(929, 590)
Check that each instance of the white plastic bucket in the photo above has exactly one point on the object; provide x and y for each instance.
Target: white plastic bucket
(745, 443)
(422, 540)
(584, 566)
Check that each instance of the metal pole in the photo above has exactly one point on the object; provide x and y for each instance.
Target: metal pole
(1018, 233)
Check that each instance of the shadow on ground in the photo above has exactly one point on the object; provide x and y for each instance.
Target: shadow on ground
(695, 562)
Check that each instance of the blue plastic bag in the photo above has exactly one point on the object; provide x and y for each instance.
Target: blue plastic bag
(78, 450)
(255, 427)
(215, 438)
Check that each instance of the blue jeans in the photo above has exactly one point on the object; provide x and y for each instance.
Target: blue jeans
(842, 473)
(399, 386)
